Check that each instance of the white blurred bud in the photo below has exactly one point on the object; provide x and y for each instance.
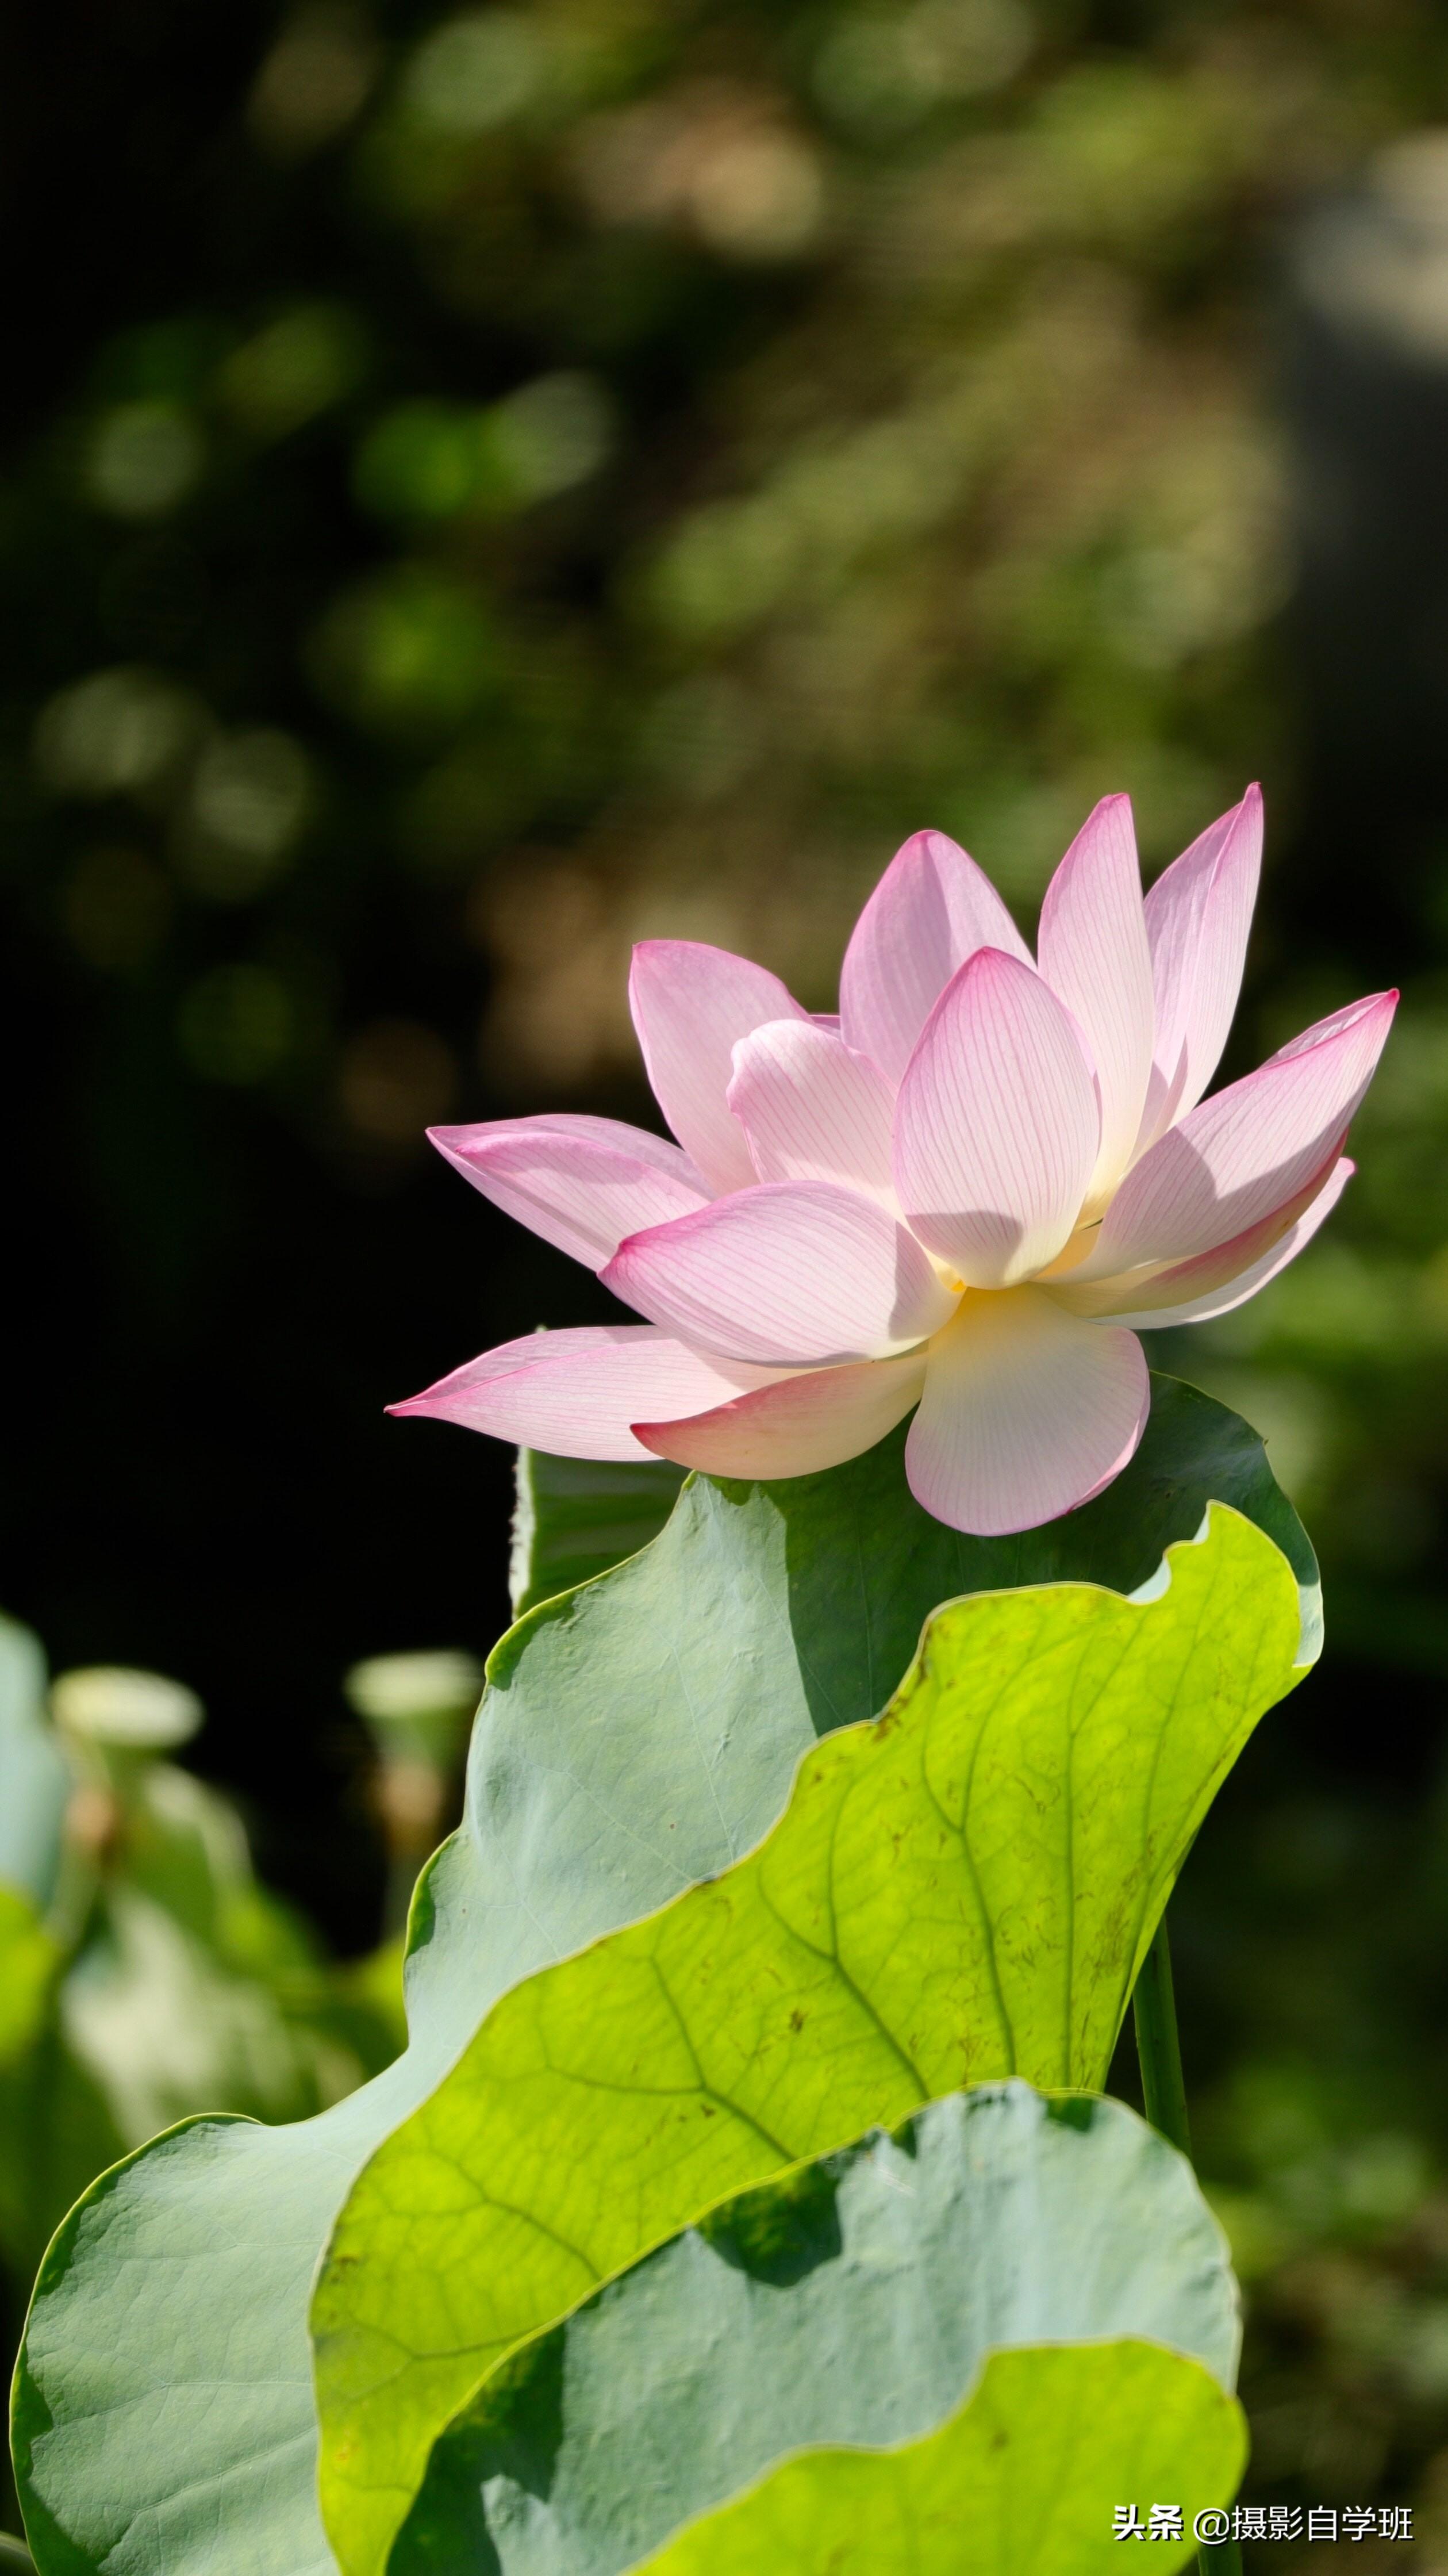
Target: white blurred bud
(110, 1704)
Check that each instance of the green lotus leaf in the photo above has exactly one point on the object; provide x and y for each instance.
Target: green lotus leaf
(962, 1889)
(1025, 2478)
(575, 1517)
(637, 1735)
(853, 2302)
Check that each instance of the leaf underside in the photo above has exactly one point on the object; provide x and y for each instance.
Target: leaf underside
(1023, 2481)
(636, 1736)
(853, 2302)
(961, 1890)
(573, 1518)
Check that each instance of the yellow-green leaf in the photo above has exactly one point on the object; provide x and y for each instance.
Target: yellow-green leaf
(852, 2301)
(636, 1735)
(960, 1890)
(1023, 2481)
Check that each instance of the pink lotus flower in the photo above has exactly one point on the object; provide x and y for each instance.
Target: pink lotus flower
(959, 1196)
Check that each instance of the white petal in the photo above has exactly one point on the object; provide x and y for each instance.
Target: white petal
(691, 1005)
(997, 1125)
(1027, 1412)
(932, 909)
(792, 1274)
(1094, 955)
(812, 1108)
(817, 1418)
(582, 1183)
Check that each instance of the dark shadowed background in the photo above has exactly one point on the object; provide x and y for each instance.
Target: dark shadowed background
(482, 488)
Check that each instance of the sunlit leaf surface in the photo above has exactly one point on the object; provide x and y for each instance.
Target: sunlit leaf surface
(636, 1737)
(852, 2302)
(1025, 2478)
(962, 1890)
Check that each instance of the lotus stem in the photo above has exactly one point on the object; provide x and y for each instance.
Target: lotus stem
(1164, 2096)
(1158, 2048)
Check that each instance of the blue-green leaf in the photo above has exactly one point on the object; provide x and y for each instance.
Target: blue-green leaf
(852, 2302)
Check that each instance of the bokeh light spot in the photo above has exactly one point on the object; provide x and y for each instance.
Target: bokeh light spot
(717, 158)
(300, 365)
(431, 460)
(554, 432)
(412, 652)
(880, 74)
(115, 732)
(249, 799)
(425, 460)
(314, 81)
(144, 458)
(760, 196)
(476, 71)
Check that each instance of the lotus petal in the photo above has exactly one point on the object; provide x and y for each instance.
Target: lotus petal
(792, 1274)
(575, 1393)
(691, 1005)
(932, 909)
(1246, 1153)
(1027, 1412)
(1198, 915)
(816, 1418)
(1094, 955)
(997, 1126)
(812, 1108)
(582, 1183)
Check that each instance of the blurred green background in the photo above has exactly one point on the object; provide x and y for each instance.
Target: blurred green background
(480, 488)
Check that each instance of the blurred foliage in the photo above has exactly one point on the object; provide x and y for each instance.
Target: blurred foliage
(147, 1972)
(653, 455)
(418, 1710)
(536, 476)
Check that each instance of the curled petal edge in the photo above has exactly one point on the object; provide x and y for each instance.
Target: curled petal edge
(797, 1426)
